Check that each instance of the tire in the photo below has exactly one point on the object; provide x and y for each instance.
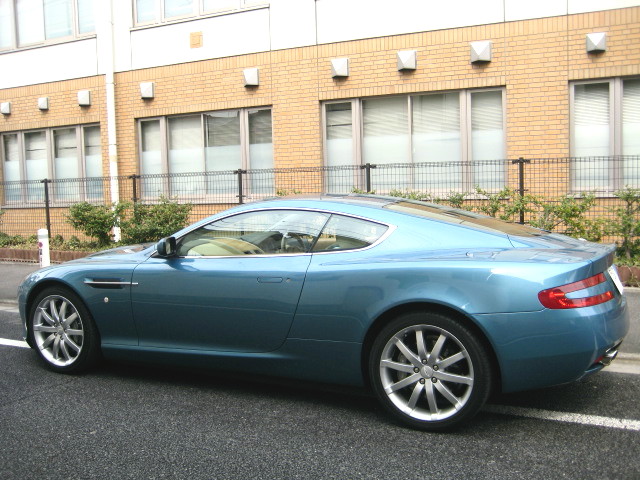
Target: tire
(429, 371)
(63, 332)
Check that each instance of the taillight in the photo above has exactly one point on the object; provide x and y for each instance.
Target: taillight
(556, 297)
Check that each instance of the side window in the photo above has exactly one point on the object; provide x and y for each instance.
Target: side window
(266, 232)
(346, 233)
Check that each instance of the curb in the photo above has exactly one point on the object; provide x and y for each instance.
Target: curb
(628, 357)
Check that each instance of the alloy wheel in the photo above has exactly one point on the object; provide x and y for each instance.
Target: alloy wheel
(426, 372)
(58, 330)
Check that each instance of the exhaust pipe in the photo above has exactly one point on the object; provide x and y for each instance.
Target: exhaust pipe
(610, 355)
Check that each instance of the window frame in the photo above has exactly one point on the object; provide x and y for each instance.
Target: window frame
(615, 171)
(50, 164)
(166, 174)
(390, 228)
(199, 11)
(75, 30)
(322, 216)
(466, 150)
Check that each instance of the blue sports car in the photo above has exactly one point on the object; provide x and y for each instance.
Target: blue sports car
(430, 307)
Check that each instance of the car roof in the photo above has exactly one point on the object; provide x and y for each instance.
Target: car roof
(399, 209)
(370, 200)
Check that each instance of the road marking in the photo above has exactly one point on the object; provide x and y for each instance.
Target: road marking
(9, 308)
(13, 343)
(591, 420)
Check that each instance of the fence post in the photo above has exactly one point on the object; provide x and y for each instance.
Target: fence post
(367, 176)
(240, 172)
(134, 185)
(521, 161)
(47, 209)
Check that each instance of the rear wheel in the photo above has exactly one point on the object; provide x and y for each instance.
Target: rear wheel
(429, 371)
(63, 332)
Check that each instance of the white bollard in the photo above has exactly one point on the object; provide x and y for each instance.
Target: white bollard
(43, 247)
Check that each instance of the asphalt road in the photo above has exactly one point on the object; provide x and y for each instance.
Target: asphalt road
(133, 422)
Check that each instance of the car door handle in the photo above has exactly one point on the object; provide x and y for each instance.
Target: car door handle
(269, 279)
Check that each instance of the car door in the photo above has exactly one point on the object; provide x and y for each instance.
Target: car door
(233, 286)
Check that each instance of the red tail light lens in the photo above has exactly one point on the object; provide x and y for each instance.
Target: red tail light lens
(557, 297)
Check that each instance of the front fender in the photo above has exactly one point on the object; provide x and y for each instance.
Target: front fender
(109, 306)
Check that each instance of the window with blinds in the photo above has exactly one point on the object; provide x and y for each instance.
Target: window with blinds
(69, 153)
(439, 141)
(213, 144)
(605, 136)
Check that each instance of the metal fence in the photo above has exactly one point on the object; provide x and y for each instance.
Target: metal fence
(31, 205)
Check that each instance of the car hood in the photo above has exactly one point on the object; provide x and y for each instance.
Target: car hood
(125, 254)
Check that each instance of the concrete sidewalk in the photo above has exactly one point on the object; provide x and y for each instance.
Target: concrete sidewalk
(11, 274)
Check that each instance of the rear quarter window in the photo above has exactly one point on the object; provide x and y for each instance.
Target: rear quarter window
(348, 233)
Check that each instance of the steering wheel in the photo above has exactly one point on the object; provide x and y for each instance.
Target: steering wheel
(284, 243)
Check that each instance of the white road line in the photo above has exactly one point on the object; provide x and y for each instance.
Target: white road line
(13, 343)
(9, 308)
(591, 420)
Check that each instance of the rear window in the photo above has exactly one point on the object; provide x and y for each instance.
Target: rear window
(442, 213)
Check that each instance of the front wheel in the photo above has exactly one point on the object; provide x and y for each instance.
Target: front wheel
(63, 332)
(429, 371)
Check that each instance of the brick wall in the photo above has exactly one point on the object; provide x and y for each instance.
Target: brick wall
(63, 108)
(534, 60)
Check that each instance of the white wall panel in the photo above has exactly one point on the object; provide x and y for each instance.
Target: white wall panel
(123, 21)
(49, 64)
(292, 23)
(582, 6)
(340, 20)
(281, 24)
(520, 10)
(222, 36)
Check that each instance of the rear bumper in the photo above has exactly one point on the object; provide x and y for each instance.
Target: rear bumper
(550, 347)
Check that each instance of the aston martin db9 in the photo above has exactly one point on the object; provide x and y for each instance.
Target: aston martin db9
(430, 307)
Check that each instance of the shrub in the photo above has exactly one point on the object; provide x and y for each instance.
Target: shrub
(282, 192)
(505, 204)
(626, 223)
(74, 243)
(361, 191)
(13, 240)
(412, 195)
(57, 242)
(454, 199)
(568, 213)
(149, 223)
(95, 221)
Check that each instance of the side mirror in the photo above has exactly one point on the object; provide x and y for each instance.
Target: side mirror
(166, 247)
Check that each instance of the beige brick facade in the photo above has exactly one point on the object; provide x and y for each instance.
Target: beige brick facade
(534, 60)
(63, 108)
